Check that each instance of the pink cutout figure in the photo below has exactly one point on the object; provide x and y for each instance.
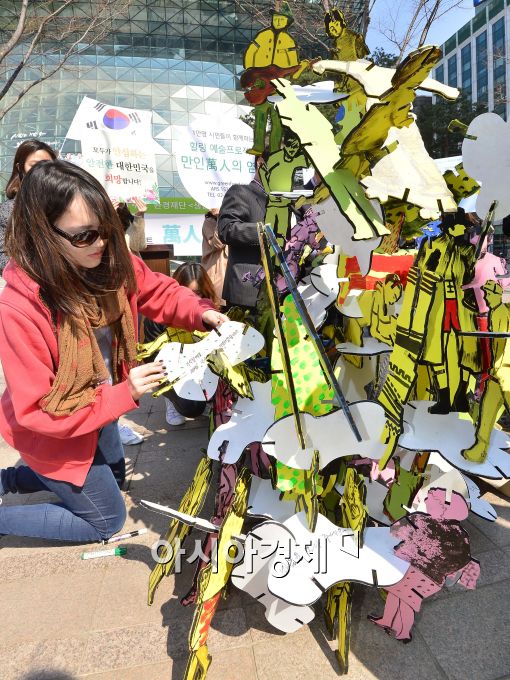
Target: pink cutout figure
(488, 267)
(437, 548)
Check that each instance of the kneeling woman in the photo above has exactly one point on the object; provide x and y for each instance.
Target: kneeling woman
(68, 349)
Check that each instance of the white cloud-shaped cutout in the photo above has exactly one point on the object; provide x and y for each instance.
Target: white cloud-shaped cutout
(486, 157)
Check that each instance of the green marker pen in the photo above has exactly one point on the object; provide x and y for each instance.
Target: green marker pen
(104, 553)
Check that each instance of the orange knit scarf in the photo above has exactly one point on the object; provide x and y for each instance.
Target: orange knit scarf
(81, 367)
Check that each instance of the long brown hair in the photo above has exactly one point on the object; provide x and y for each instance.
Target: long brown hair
(18, 167)
(45, 194)
(188, 272)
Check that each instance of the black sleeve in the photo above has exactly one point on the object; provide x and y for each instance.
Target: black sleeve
(239, 214)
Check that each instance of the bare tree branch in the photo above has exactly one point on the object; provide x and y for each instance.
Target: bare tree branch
(418, 18)
(45, 30)
(10, 44)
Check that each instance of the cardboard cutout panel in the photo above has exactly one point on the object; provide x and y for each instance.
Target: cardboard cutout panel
(409, 174)
(249, 422)
(251, 577)
(485, 156)
(497, 387)
(317, 140)
(187, 368)
(449, 434)
(296, 581)
(437, 548)
(323, 435)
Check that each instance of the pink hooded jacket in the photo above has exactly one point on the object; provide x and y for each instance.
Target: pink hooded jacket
(63, 447)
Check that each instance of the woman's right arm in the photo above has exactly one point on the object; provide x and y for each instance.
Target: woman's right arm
(29, 375)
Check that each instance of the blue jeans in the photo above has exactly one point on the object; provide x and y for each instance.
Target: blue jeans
(93, 512)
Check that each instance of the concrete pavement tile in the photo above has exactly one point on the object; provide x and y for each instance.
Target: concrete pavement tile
(163, 480)
(232, 664)
(229, 629)
(51, 606)
(136, 419)
(494, 567)
(235, 598)
(466, 632)
(479, 539)
(16, 565)
(379, 656)
(153, 671)
(259, 626)
(156, 421)
(175, 442)
(8, 455)
(123, 597)
(294, 657)
(499, 531)
(54, 659)
(136, 646)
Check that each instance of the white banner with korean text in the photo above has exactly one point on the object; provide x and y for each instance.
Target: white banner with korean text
(124, 167)
(117, 148)
(210, 155)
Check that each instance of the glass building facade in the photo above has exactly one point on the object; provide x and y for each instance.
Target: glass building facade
(174, 57)
(477, 55)
(171, 57)
(466, 82)
(482, 72)
(499, 66)
(452, 71)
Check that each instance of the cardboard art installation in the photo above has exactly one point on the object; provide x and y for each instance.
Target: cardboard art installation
(354, 437)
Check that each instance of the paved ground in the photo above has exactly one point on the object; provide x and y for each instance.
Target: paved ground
(64, 618)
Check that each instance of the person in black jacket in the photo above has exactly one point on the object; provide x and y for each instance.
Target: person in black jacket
(243, 206)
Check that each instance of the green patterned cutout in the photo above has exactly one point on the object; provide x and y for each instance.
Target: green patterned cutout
(310, 384)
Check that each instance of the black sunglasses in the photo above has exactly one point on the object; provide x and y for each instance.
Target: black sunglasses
(81, 240)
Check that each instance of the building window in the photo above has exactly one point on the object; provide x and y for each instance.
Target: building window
(465, 71)
(440, 73)
(482, 92)
(499, 66)
(452, 71)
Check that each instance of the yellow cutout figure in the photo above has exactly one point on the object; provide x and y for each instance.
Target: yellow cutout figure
(273, 46)
(497, 387)
(412, 324)
(272, 53)
(460, 183)
(349, 45)
(315, 133)
(337, 613)
(453, 260)
(191, 504)
(213, 578)
(371, 129)
(375, 306)
(278, 175)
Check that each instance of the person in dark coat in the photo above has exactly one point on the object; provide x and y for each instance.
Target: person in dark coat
(243, 206)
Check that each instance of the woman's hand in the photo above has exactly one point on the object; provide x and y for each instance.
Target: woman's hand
(212, 318)
(141, 207)
(145, 378)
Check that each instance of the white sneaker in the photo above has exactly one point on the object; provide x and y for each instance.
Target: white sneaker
(128, 436)
(173, 417)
